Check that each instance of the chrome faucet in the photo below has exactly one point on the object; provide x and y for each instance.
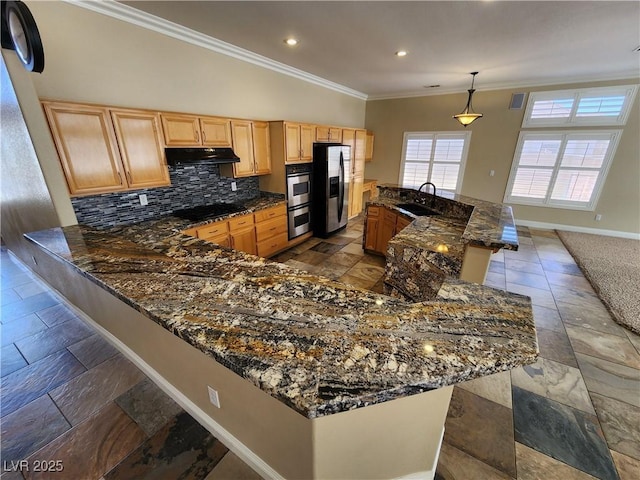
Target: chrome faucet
(433, 198)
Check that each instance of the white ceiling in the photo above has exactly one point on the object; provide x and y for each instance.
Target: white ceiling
(511, 43)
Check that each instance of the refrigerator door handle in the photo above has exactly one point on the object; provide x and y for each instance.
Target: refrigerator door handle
(341, 195)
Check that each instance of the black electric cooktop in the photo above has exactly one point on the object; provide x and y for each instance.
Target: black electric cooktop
(207, 212)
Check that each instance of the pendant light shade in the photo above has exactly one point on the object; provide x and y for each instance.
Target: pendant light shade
(468, 115)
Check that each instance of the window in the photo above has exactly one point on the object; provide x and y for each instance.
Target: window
(586, 106)
(561, 169)
(436, 157)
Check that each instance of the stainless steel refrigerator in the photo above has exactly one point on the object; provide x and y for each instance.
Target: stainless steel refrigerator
(331, 167)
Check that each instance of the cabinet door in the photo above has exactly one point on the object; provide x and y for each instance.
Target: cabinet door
(87, 147)
(387, 229)
(180, 130)
(335, 135)
(371, 234)
(368, 150)
(292, 142)
(138, 135)
(261, 147)
(355, 195)
(359, 152)
(307, 134)
(349, 138)
(322, 134)
(243, 146)
(216, 132)
(244, 240)
(401, 223)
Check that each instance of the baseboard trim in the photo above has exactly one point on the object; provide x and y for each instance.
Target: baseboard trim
(574, 228)
(217, 430)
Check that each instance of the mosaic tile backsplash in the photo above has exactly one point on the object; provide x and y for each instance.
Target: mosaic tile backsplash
(191, 186)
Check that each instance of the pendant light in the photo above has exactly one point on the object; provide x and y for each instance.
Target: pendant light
(468, 116)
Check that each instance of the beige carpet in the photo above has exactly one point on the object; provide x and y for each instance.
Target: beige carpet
(612, 265)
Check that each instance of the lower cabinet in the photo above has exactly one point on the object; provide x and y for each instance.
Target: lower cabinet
(382, 224)
(242, 234)
(272, 230)
(262, 233)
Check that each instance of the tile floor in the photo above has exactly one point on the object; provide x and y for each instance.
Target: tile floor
(575, 414)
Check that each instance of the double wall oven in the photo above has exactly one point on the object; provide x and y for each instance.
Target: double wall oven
(299, 198)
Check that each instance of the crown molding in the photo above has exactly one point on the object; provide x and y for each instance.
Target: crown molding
(131, 15)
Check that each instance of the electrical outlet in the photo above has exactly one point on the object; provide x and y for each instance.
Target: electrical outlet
(598, 217)
(234, 186)
(213, 396)
(143, 199)
(492, 173)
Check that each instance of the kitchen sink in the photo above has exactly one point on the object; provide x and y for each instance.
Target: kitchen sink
(418, 209)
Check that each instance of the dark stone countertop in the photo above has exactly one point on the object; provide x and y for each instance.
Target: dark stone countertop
(317, 345)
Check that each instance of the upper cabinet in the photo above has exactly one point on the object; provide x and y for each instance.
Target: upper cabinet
(190, 130)
(261, 147)
(368, 153)
(251, 143)
(328, 134)
(298, 141)
(103, 150)
(140, 141)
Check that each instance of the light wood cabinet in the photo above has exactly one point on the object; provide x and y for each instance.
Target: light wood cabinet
(139, 138)
(328, 134)
(297, 140)
(387, 229)
(371, 232)
(242, 136)
(106, 150)
(216, 132)
(382, 224)
(401, 223)
(271, 230)
(190, 130)
(368, 151)
(261, 147)
(242, 234)
(356, 139)
(251, 143)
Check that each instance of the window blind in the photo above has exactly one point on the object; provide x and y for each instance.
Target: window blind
(563, 169)
(434, 157)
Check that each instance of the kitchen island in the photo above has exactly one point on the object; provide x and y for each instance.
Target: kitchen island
(315, 378)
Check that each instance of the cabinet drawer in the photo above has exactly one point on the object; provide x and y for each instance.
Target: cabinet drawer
(268, 213)
(213, 230)
(373, 211)
(240, 223)
(222, 240)
(271, 228)
(268, 247)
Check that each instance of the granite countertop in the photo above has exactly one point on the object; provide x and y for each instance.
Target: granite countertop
(318, 345)
(486, 224)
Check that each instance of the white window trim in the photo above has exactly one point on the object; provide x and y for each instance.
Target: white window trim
(547, 202)
(434, 135)
(629, 91)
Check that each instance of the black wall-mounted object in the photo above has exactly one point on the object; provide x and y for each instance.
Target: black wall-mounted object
(176, 156)
(20, 33)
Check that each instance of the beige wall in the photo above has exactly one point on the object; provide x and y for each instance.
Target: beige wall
(27, 204)
(493, 143)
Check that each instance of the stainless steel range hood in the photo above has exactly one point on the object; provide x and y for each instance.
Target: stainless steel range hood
(177, 156)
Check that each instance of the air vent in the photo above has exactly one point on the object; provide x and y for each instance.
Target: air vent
(517, 101)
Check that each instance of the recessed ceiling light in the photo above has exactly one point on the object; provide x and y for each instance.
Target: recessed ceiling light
(401, 53)
(292, 42)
